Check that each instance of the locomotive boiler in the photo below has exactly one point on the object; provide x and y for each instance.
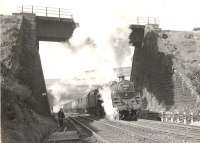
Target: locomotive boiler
(126, 99)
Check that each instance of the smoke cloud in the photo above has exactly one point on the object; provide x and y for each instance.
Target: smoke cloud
(99, 44)
(120, 44)
(99, 54)
(62, 91)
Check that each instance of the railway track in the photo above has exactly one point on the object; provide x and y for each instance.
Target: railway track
(186, 131)
(115, 134)
(90, 130)
(158, 133)
(74, 132)
(65, 134)
(87, 135)
(170, 133)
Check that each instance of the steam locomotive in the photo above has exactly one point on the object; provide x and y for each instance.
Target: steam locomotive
(125, 99)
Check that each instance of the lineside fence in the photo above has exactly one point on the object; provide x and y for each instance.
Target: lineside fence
(176, 117)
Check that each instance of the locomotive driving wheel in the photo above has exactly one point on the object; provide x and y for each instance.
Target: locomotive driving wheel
(124, 115)
(134, 115)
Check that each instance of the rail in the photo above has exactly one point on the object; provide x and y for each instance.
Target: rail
(128, 132)
(99, 138)
(173, 133)
(46, 11)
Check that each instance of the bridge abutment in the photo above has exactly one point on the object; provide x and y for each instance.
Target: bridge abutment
(158, 69)
(34, 29)
(25, 108)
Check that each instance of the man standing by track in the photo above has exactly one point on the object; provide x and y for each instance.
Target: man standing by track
(61, 117)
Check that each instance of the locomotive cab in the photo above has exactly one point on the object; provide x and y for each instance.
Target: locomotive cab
(121, 78)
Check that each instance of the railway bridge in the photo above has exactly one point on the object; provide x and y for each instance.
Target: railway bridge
(29, 26)
(24, 97)
(22, 71)
(48, 23)
(41, 24)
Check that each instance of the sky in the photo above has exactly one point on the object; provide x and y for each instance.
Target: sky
(101, 21)
(173, 14)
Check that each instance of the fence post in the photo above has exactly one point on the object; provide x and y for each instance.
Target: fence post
(59, 12)
(155, 22)
(177, 117)
(46, 11)
(191, 116)
(148, 20)
(162, 116)
(32, 8)
(184, 117)
(22, 9)
(72, 17)
(137, 19)
(172, 117)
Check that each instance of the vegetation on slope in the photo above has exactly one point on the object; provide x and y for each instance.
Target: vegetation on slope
(19, 122)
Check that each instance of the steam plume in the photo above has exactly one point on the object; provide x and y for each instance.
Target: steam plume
(91, 48)
(110, 111)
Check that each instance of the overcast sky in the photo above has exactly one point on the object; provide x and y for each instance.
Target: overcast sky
(173, 14)
(98, 20)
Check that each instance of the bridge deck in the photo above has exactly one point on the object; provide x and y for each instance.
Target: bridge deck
(52, 24)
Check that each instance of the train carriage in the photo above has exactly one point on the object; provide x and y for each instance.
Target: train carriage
(92, 102)
(67, 107)
(124, 97)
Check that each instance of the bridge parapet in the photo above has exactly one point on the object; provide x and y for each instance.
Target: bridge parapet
(147, 21)
(52, 24)
(46, 11)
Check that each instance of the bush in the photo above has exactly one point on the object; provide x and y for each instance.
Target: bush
(195, 78)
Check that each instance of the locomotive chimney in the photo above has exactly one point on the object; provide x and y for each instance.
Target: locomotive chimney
(121, 77)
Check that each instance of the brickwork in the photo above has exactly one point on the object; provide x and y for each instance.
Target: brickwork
(159, 76)
(22, 83)
(31, 72)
